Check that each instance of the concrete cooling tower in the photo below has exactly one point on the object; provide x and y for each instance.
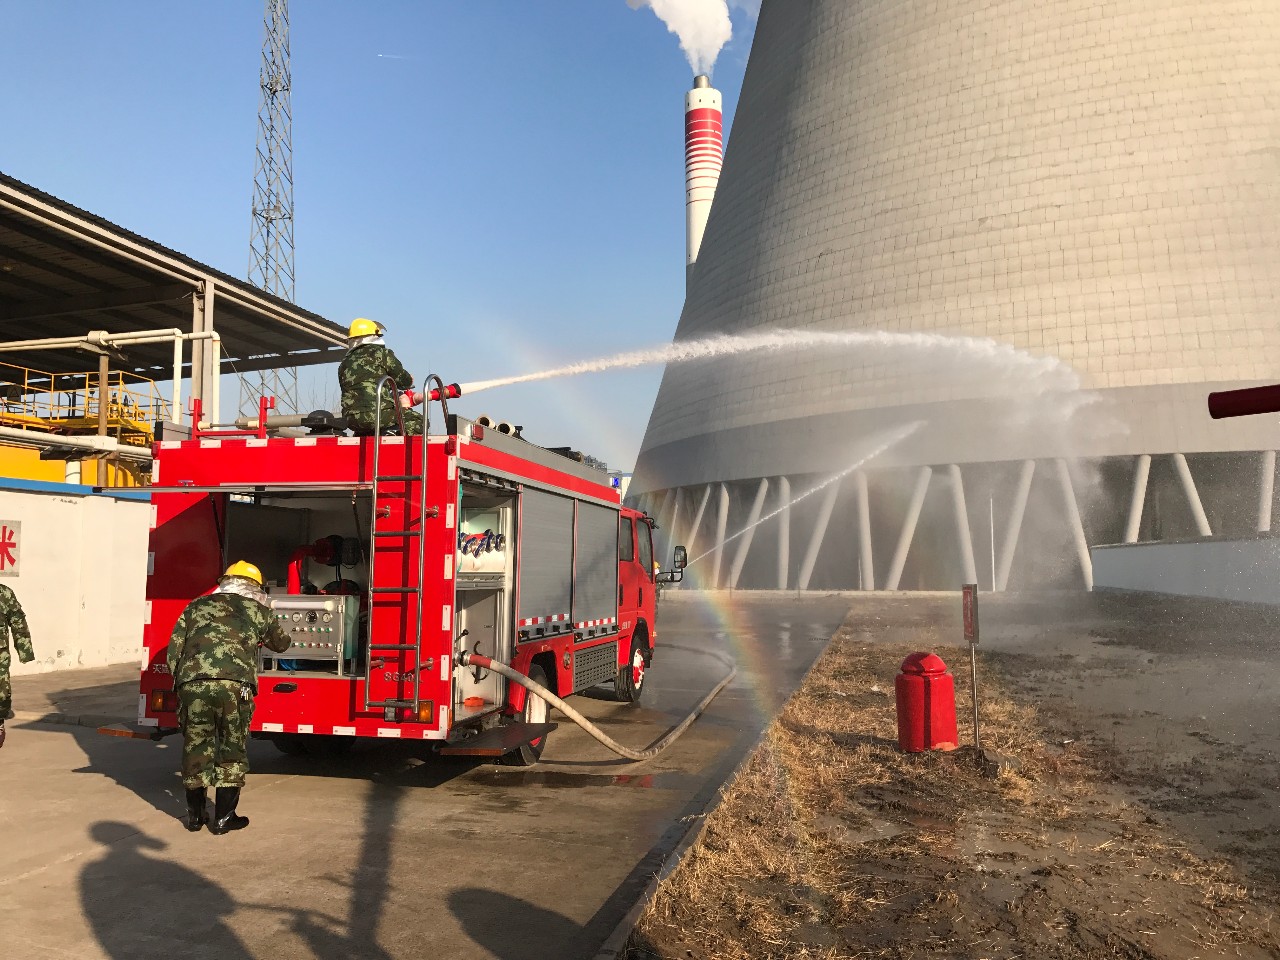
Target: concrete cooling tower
(1088, 194)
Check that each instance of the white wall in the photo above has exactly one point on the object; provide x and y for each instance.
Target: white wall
(1223, 569)
(82, 574)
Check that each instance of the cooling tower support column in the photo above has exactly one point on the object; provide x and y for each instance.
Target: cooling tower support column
(784, 531)
(1266, 490)
(819, 531)
(703, 157)
(672, 532)
(697, 520)
(962, 525)
(722, 524)
(1138, 499)
(749, 532)
(866, 565)
(908, 528)
(1077, 526)
(1193, 496)
(661, 514)
(1015, 523)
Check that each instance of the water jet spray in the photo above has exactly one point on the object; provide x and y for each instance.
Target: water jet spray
(1051, 372)
(898, 436)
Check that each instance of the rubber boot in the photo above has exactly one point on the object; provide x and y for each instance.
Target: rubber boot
(197, 817)
(225, 818)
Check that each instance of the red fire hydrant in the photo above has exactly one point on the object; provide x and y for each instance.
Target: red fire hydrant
(926, 704)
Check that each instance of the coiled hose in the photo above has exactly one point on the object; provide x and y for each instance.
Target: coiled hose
(668, 738)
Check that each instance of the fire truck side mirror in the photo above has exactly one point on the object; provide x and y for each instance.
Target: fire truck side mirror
(681, 558)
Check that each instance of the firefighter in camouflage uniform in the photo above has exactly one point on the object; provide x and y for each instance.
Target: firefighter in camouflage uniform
(213, 660)
(12, 621)
(367, 361)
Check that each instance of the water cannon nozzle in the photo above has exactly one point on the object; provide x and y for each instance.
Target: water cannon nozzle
(451, 392)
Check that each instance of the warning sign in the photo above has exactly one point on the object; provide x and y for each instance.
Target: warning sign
(10, 542)
(970, 608)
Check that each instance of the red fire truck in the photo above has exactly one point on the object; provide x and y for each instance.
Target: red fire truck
(386, 559)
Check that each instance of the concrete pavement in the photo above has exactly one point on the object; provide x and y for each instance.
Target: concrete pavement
(380, 853)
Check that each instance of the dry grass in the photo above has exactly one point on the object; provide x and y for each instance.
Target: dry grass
(832, 844)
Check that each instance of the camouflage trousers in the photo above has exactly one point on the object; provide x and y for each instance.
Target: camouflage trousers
(6, 688)
(412, 425)
(214, 716)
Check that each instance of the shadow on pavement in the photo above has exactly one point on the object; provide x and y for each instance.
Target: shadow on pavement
(140, 906)
(149, 769)
(393, 763)
(491, 919)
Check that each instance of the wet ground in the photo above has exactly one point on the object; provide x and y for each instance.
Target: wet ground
(1136, 815)
(379, 853)
(1185, 691)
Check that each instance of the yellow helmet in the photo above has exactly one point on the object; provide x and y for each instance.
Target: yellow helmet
(243, 568)
(362, 327)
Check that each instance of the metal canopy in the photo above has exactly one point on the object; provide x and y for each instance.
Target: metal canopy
(64, 272)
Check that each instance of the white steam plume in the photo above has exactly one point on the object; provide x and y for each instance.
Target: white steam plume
(703, 27)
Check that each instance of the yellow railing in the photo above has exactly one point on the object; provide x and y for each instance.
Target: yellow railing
(69, 403)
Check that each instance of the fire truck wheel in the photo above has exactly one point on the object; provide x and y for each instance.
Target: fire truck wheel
(333, 746)
(291, 746)
(535, 710)
(629, 683)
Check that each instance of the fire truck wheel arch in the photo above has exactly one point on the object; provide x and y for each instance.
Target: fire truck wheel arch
(535, 710)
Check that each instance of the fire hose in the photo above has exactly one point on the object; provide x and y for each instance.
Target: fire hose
(668, 738)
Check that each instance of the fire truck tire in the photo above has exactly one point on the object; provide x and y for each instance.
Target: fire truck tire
(628, 685)
(333, 746)
(536, 710)
(291, 746)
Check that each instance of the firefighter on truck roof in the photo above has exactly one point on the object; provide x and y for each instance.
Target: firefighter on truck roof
(12, 621)
(213, 660)
(367, 361)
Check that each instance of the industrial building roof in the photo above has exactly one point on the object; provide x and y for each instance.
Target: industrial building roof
(65, 272)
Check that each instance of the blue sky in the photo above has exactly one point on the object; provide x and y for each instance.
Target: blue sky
(503, 187)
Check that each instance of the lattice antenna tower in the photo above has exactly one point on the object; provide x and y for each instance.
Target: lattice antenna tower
(271, 240)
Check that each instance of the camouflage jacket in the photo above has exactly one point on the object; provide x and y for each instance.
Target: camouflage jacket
(217, 637)
(14, 621)
(358, 376)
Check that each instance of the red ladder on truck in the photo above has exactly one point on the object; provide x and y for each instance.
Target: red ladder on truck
(411, 536)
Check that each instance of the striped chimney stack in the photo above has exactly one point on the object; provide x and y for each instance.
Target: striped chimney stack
(703, 155)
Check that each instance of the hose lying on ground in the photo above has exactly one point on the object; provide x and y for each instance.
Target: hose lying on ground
(477, 660)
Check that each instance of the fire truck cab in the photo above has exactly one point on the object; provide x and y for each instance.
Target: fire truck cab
(386, 559)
